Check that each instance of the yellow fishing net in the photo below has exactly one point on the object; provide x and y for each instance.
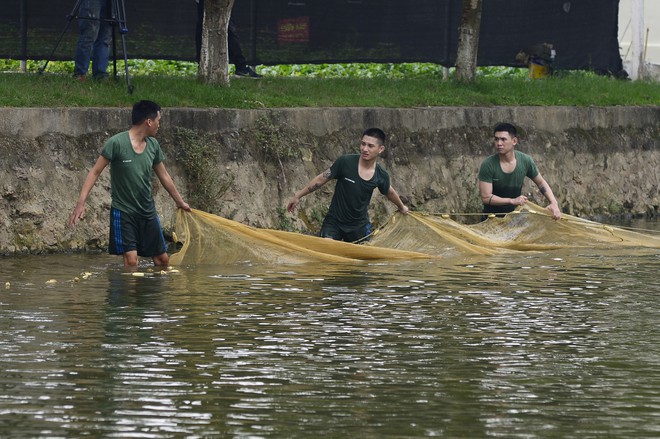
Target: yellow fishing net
(528, 228)
(210, 239)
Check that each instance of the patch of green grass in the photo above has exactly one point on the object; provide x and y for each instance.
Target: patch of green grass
(174, 84)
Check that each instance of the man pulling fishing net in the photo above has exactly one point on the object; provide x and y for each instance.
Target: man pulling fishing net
(357, 176)
(501, 176)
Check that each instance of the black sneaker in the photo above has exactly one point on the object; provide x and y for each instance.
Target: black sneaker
(247, 72)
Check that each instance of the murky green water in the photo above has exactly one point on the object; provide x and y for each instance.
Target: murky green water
(547, 345)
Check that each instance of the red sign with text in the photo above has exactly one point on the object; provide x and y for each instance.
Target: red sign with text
(293, 30)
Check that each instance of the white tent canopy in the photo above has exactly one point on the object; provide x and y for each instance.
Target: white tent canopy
(639, 36)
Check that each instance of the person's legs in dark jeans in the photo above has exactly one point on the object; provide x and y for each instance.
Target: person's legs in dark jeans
(236, 56)
(101, 49)
(94, 40)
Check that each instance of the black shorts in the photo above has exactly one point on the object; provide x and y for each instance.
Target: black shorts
(330, 229)
(132, 232)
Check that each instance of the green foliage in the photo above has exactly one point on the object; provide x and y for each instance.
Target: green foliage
(175, 84)
(160, 67)
(354, 70)
(274, 141)
(198, 159)
(135, 67)
(284, 221)
(502, 72)
(314, 221)
(141, 67)
(25, 237)
(614, 208)
(32, 66)
(318, 214)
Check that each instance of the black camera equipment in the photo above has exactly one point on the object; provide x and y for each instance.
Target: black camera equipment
(118, 19)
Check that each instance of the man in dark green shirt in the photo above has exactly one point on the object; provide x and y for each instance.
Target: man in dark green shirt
(501, 176)
(357, 176)
(134, 156)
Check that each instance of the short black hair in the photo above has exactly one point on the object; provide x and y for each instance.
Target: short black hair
(375, 132)
(506, 127)
(144, 110)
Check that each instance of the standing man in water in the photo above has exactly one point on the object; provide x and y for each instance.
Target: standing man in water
(357, 176)
(501, 176)
(134, 156)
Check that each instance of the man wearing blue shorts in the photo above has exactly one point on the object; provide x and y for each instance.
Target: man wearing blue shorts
(134, 156)
(357, 176)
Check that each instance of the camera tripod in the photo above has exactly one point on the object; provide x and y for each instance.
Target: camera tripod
(117, 18)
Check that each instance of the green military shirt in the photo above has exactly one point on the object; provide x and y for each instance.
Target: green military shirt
(131, 174)
(350, 202)
(506, 185)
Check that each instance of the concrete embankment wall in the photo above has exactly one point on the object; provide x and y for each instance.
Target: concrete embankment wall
(245, 164)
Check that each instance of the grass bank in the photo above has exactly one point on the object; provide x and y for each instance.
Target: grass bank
(414, 85)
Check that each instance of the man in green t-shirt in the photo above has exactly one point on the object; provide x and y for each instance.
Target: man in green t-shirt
(501, 176)
(134, 156)
(357, 176)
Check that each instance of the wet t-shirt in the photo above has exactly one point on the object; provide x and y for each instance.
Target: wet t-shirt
(506, 185)
(131, 174)
(350, 202)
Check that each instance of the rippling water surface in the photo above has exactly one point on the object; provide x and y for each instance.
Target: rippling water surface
(559, 344)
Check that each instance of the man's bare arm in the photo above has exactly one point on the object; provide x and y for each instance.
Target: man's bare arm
(312, 186)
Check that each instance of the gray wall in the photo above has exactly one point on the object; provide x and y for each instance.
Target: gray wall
(599, 161)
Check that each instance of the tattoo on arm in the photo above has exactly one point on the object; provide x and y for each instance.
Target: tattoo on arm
(543, 190)
(313, 187)
(327, 174)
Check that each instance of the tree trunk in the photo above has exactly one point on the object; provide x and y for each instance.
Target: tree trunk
(468, 41)
(214, 55)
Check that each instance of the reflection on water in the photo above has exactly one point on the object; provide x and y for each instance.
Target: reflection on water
(557, 344)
